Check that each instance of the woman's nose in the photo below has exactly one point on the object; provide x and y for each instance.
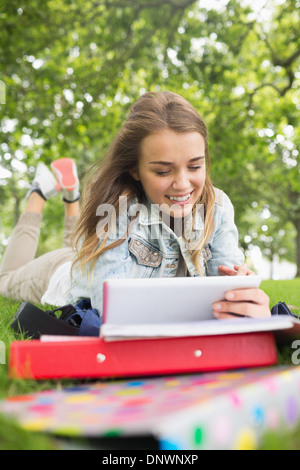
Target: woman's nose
(181, 181)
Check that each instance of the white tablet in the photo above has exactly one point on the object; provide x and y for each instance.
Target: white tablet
(167, 300)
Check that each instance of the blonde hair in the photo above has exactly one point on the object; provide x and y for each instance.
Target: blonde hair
(111, 178)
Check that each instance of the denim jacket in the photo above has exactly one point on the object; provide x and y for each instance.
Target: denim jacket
(152, 249)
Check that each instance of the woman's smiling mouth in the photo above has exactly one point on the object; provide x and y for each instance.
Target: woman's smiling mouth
(180, 199)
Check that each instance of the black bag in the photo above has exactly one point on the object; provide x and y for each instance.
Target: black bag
(75, 320)
(282, 309)
(34, 322)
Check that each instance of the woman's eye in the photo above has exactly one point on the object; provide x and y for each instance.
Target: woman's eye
(195, 168)
(167, 172)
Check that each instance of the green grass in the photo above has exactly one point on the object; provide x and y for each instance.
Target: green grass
(285, 291)
(13, 437)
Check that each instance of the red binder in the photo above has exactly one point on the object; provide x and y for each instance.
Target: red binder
(97, 358)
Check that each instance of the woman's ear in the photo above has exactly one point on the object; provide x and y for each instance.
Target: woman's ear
(135, 174)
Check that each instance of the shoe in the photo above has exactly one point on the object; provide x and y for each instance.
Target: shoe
(65, 171)
(44, 183)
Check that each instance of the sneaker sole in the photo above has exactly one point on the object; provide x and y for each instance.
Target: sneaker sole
(66, 173)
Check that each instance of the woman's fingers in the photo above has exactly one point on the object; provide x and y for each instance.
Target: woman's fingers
(255, 295)
(252, 303)
(242, 270)
(244, 309)
(226, 271)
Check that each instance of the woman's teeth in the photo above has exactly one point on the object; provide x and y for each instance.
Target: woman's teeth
(180, 199)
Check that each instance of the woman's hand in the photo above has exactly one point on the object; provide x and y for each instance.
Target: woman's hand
(252, 302)
(244, 302)
(242, 270)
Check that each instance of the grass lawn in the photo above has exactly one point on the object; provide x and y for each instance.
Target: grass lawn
(12, 437)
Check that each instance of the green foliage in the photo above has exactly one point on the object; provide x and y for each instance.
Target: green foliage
(72, 69)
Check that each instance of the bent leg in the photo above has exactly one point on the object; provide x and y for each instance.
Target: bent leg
(23, 242)
(21, 276)
(70, 224)
(72, 213)
(30, 282)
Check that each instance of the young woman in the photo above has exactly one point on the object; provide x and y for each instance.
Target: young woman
(150, 209)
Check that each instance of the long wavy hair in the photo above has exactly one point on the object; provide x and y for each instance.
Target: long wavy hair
(111, 178)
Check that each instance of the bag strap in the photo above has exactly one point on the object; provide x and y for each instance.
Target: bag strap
(282, 309)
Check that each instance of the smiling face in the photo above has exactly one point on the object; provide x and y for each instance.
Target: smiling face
(172, 170)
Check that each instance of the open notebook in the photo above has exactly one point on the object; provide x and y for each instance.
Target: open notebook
(176, 307)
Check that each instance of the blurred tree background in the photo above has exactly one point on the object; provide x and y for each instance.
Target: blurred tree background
(69, 71)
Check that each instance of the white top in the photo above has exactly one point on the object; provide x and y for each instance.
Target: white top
(59, 286)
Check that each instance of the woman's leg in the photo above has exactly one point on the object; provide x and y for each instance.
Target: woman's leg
(72, 212)
(66, 174)
(21, 276)
(30, 282)
(24, 240)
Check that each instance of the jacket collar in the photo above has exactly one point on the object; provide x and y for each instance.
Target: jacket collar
(149, 214)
